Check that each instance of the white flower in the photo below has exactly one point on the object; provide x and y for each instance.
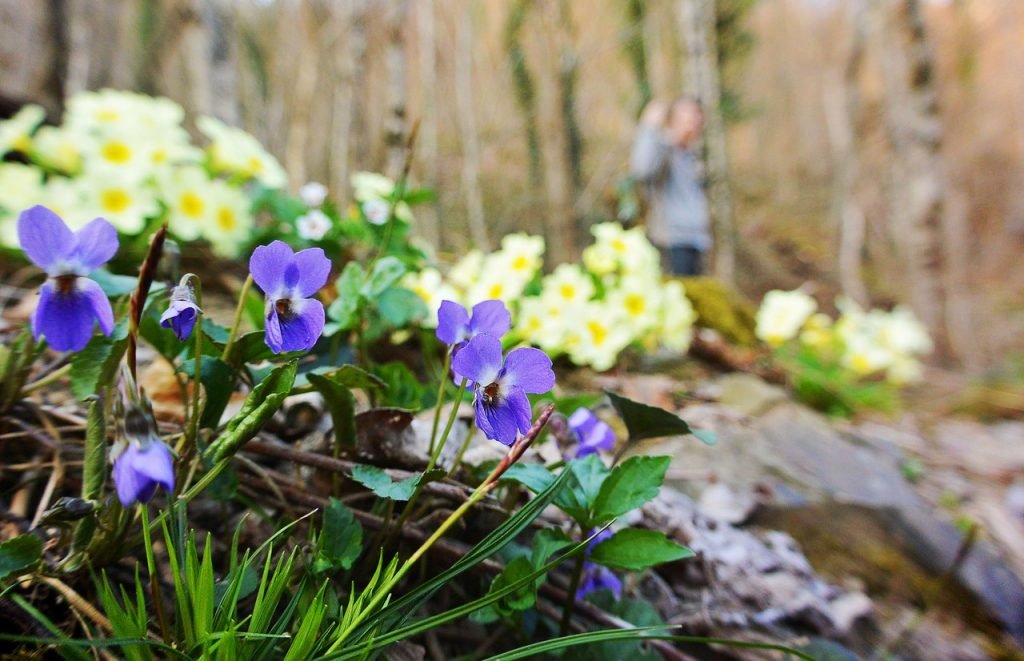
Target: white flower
(521, 255)
(313, 194)
(902, 333)
(126, 202)
(188, 194)
(313, 225)
(541, 323)
(781, 315)
(466, 271)
(367, 186)
(377, 211)
(639, 299)
(56, 148)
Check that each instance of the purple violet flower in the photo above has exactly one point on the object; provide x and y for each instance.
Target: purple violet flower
(69, 302)
(182, 313)
(593, 433)
(502, 409)
(294, 320)
(455, 326)
(598, 577)
(140, 469)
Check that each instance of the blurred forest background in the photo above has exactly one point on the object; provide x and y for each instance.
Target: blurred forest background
(870, 147)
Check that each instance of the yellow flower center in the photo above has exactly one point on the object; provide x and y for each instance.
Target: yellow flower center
(495, 290)
(107, 115)
(191, 204)
(598, 333)
(567, 291)
(115, 200)
(160, 156)
(226, 219)
(860, 363)
(619, 245)
(116, 152)
(520, 263)
(255, 165)
(635, 304)
(22, 143)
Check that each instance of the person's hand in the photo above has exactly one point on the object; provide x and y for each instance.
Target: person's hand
(655, 113)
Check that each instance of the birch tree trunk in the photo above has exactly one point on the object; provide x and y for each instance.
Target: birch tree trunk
(467, 128)
(427, 218)
(697, 24)
(842, 110)
(568, 73)
(916, 198)
(346, 53)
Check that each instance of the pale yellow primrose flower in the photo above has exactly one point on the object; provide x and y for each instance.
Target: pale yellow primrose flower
(428, 285)
(597, 334)
(21, 186)
(122, 200)
(231, 218)
(188, 194)
(16, 132)
(57, 148)
(234, 151)
(567, 285)
(677, 318)
(782, 314)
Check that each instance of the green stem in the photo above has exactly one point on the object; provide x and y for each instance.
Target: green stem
(192, 434)
(233, 333)
(435, 453)
(55, 375)
(440, 398)
(154, 580)
(570, 602)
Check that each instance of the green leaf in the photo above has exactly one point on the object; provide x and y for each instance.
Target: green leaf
(344, 311)
(218, 381)
(96, 365)
(214, 331)
(386, 272)
(350, 376)
(586, 476)
(341, 539)
(264, 400)
(341, 404)
(399, 306)
(404, 389)
(534, 477)
(114, 285)
(521, 599)
(630, 485)
(636, 549)
(380, 483)
(546, 542)
(19, 554)
(643, 421)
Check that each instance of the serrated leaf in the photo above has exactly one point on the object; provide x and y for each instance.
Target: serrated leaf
(386, 272)
(96, 365)
(630, 485)
(341, 539)
(19, 554)
(381, 484)
(636, 549)
(341, 404)
(264, 400)
(644, 421)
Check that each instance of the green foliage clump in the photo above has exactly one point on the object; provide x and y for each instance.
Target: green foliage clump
(722, 309)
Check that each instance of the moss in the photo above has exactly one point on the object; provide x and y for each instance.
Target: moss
(722, 309)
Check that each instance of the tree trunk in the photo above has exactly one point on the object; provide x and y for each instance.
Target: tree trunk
(302, 93)
(635, 45)
(427, 218)
(572, 225)
(842, 109)
(913, 124)
(697, 24)
(467, 127)
(348, 47)
(395, 127)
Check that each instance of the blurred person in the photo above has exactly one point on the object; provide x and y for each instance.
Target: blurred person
(663, 159)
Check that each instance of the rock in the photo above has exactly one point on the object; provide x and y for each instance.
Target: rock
(748, 394)
(990, 451)
(1014, 500)
(720, 502)
(848, 608)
